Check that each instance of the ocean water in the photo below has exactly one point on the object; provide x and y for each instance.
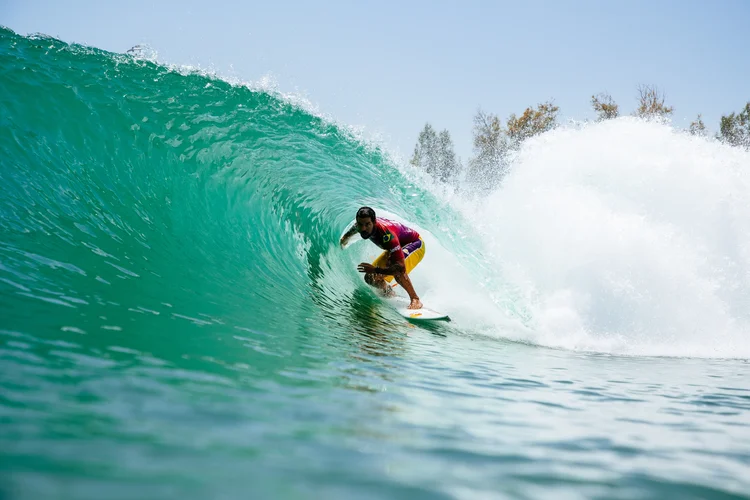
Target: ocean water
(177, 319)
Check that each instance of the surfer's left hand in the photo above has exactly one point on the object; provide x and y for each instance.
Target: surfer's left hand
(366, 268)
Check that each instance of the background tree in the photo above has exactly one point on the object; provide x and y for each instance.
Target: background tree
(434, 153)
(734, 129)
(605, 106)
(697, 127)
(490, 143)
(651, 103)
(447, 165)
(532, 122)
(489, 136)
(426, 151)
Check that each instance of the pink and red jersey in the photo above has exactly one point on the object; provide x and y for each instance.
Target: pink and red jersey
(393, 237)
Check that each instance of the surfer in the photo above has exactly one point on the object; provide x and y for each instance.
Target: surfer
(403, 247)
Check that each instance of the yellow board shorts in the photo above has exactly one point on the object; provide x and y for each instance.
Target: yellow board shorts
(411, 260)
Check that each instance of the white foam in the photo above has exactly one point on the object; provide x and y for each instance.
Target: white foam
(626, 237)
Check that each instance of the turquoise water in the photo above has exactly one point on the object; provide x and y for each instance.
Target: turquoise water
(178, 321)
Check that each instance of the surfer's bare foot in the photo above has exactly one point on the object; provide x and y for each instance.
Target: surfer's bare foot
(415, 304)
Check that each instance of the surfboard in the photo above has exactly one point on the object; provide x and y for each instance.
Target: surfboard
(401, 305)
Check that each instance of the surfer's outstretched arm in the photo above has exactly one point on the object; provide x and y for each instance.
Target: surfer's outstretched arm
(351, 232)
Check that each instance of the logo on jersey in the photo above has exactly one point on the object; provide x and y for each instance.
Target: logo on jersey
(387, 237)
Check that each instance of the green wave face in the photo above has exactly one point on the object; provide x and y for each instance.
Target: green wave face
(171, 280)
(132, 189)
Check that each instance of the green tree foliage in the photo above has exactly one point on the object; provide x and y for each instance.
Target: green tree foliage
(698, 127)
(532, 122)
(651, 103)
(434, 153)
(489, 136)
(425, 152)
(605, 106)
(492, 141)
(734, 129)
(447, 165)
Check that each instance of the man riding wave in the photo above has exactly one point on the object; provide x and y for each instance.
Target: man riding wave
(404, 249)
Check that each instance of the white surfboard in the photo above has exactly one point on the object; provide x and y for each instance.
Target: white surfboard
(425, 314)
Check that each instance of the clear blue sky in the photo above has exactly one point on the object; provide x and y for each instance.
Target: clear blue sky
(391, 66)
